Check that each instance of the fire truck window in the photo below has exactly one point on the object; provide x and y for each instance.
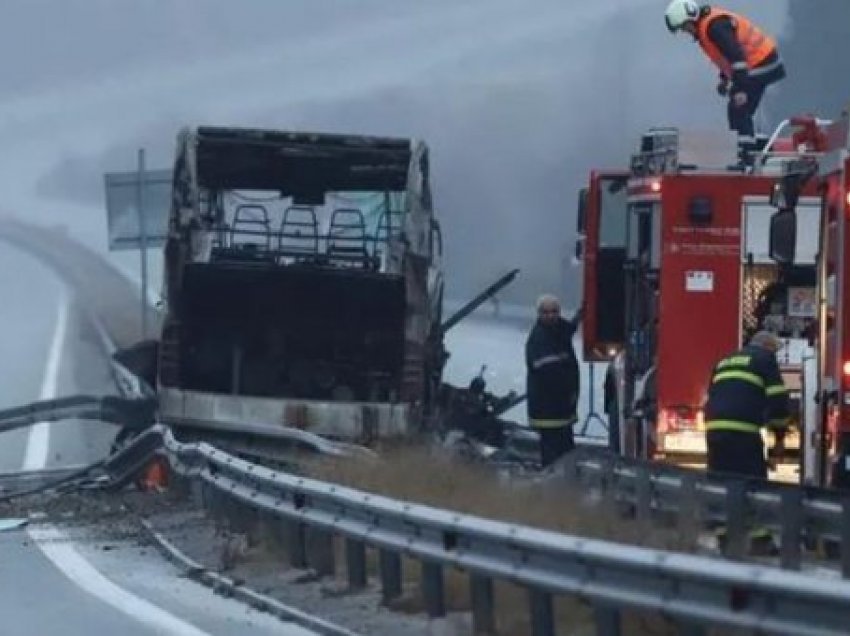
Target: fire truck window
(612, 232)
(655, 250)
(643, 234)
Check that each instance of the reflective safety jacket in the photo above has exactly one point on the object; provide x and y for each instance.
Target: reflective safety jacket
(735, 45)
(747, 393)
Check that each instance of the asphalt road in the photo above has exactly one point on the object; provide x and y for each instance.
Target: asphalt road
(54, 580)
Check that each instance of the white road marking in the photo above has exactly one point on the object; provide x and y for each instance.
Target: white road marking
(72, 564)
(38, 440)
(55, 546)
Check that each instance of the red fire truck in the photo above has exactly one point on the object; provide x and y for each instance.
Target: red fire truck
(678, 272)
(826, 421)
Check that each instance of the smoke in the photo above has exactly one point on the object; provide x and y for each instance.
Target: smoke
(816, 49)
(517, 100)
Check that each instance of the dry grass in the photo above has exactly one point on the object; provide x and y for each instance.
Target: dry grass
(417, 474)
(434, 477)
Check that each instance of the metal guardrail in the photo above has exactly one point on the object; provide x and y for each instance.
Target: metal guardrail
(796, 514)
(697, 592)
(131, 412)
(12, 482)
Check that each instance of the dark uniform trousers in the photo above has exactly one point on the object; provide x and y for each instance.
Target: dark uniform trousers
(555, 443)
(734, 452)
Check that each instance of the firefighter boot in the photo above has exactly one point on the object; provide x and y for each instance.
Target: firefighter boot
(760, 541)
(748, 148)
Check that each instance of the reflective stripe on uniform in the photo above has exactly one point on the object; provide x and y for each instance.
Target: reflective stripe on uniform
(756, 45)
(550, 359)
(552, 423)
(764, 70)
(739, 360)
(732, 425)
(746, 376)
(755, 533)
(776, 389)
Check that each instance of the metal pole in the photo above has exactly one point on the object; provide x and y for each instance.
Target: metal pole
(845, 537)
(143, 241)
(390, 568)
(483, 605)
(355, 556)
(736, 522)
(792, 524)
(542, 614)
(433, 589)
(591, 407)
(608, 621)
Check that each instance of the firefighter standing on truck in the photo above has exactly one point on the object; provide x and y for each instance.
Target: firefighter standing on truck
(746, 393)
(552, 379)
(747, 58)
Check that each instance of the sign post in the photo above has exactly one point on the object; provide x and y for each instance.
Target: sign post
(143, 239)
(137, 208)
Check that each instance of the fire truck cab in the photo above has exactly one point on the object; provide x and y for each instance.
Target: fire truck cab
(826, 379)
(677, 274)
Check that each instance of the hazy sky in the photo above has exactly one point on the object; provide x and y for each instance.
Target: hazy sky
(517, 99)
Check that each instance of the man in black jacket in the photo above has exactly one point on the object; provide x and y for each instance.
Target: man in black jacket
(746, 394)
(552, 379)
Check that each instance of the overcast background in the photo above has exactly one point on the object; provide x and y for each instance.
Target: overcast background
(518, 99)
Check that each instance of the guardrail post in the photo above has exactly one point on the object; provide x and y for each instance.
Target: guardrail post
(792, 524)
(690, 629)
(736, 522)
(571, 467)
(432, 589)
(297, 543)
(542, 614)
(197, 493)
(608, 620)
(483, 606)
(390, 566)
(241, 517)
(355, 557)
(214, 500)
(607, 477)
(643, 494)
(688, 506)
(845, 537)
(321, 552)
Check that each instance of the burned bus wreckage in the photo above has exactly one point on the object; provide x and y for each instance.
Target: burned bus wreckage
(303, 288)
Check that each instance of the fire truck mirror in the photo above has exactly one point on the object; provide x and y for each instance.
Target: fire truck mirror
(581, 216)
(783, 236)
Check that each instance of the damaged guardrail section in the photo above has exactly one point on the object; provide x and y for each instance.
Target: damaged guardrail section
(696, 592)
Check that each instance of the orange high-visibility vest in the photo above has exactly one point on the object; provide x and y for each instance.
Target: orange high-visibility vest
(754, 42)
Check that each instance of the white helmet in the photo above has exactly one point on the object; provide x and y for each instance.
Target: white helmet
(679, 13)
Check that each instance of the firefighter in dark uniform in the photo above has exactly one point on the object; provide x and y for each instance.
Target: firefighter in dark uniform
(552, 379)
(746, 394)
